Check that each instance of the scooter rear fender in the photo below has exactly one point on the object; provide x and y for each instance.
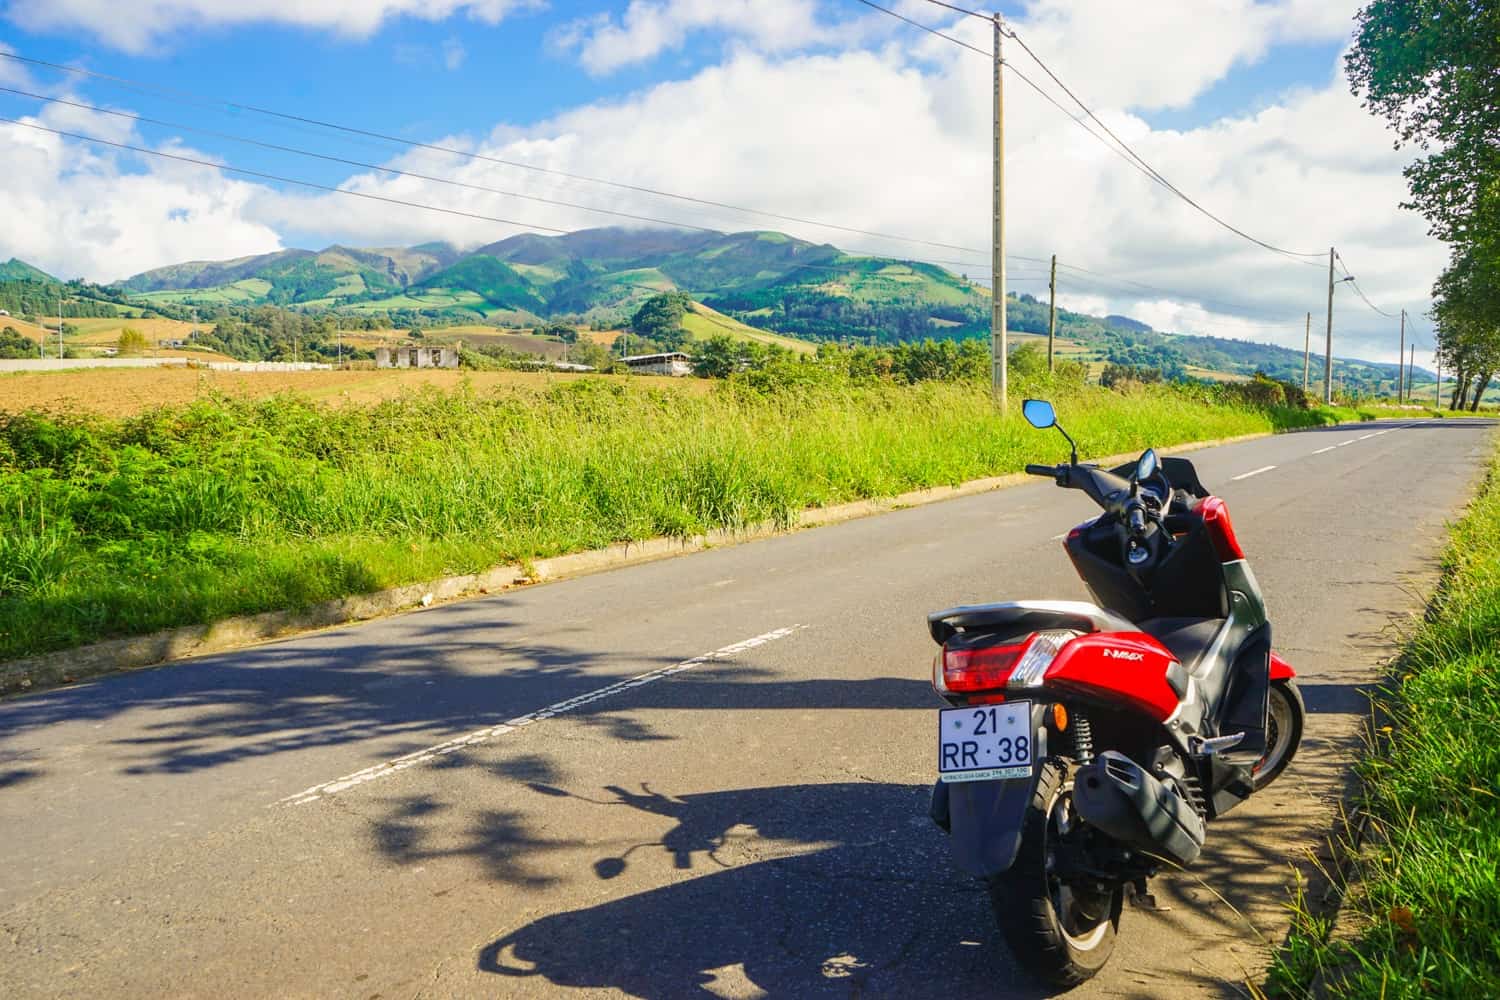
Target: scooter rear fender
(984, 818)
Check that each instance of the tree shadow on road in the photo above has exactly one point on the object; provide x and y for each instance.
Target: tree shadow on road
(425, 678)
(857, 898)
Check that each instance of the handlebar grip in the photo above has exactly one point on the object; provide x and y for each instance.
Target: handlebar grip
(1042, 470)
(1137, 520)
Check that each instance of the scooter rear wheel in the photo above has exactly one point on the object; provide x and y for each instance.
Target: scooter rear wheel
(1055, 931)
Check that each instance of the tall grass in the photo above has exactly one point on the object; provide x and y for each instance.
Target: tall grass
(190, 514)
(1425, 898)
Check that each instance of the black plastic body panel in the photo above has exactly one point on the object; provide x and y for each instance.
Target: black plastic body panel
(1187, 583)
(1118, 796)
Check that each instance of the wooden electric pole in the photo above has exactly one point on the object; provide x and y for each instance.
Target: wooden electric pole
(1052, 312)
(1410, 364)
(998, 360)
(1400, 385)
(1328, 359)
(1306, 351)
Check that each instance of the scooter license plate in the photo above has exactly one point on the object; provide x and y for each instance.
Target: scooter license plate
(985, 742)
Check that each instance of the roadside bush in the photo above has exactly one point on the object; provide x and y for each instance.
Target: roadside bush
(132, 343)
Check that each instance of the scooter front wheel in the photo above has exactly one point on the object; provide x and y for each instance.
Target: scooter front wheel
(1057, 930)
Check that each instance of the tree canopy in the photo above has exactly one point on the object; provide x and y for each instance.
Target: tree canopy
(1431, 68)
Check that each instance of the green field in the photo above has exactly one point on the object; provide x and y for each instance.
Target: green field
(188, 514)
(1423, 910)
(702, 322)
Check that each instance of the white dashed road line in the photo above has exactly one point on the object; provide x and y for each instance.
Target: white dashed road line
(1252, 472)
(389, 767)
(1321, 450)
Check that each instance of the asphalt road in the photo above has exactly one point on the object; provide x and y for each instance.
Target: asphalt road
(748, 820)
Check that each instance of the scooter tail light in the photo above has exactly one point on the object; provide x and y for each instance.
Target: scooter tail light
(1040, 652)
(987, 668)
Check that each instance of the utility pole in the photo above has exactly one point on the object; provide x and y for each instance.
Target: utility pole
(999, 362)
(1306, 352)
(1410, 364)
(59, 327)
(1437, 390)
(1328, 359)
(1399, 353)
(1052, 312)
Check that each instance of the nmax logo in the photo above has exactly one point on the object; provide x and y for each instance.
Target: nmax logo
(1123, 654)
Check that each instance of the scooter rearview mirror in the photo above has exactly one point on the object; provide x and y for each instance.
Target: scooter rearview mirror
(1146, 467)
(1038, 413)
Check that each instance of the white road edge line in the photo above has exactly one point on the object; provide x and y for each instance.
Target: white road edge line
(1342, 443)
(1365, 437)
(1321, 450)
(416, 757)
(1252, 472)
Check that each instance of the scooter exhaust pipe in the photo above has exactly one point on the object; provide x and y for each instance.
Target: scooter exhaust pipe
(1116, 795)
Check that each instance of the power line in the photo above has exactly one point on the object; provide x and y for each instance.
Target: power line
(218, 104)
(1122, 150)
(960, 10)
(282, 180)
(1357, 290)
(1077, 119)
(1152, 170)
(352, 163)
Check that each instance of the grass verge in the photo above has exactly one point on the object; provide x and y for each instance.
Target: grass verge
(1422, 914)
(186, 515)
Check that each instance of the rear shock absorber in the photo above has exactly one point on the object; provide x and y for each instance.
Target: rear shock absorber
(1083, 738)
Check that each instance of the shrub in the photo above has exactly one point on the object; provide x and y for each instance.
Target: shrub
(132, 342)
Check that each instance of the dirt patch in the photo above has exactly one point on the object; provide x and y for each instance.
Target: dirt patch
(122, 392)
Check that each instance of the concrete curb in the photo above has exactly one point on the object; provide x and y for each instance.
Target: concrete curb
(38, 673)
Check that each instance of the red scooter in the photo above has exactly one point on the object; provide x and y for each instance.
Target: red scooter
(1088, 745)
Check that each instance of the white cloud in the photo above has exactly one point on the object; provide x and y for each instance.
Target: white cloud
(650, 27)
(136, 25)
(74, 209)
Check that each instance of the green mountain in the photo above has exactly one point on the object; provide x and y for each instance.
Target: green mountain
(767, 280)
(292, 277)
(19, 270)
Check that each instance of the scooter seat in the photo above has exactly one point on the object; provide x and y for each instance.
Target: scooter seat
(1188, 639)
(1025, 616)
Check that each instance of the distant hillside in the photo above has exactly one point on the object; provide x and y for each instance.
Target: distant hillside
(768, 282)
(19, 270)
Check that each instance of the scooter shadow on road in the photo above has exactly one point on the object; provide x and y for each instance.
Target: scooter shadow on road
(858, 899)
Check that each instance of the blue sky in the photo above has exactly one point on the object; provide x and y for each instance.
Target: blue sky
(820, 108)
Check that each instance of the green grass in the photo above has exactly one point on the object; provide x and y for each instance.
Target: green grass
(1423, 910)
(702, 323)
(187, 515)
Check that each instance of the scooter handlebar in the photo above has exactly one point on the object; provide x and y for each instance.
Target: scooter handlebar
(1050, 471)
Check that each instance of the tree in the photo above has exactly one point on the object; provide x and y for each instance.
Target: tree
(13, 345)
(721, 356)
(1431, 68)
(1467, 313)
(565, 332)
(660, 319)
(132, 343)
(591, 353)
